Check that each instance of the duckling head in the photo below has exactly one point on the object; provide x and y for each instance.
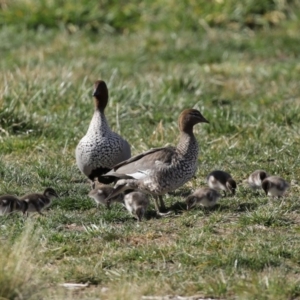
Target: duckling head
(190, 202)
(50, 193)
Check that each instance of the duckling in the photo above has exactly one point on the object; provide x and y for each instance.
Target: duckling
(36, 202)
(161, 170)
(9, 204)
(274, 186)
(206, 197)
(256, 178)
(101, 148)
(101, 191)
(221, 180)
(136, 203)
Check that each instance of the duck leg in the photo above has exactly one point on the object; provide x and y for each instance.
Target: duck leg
(159, 204)
(156, 204)
(162, 204)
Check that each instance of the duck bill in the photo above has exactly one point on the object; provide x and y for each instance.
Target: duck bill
(203, 120)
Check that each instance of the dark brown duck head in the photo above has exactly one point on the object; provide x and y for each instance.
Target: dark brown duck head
(100, 94)
(188, 118)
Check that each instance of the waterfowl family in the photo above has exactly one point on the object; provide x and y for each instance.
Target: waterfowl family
(101, 148)
(274, 186)
(136, 203)
(256, 178)
(37, 202)
(101, 191)
(221, 180)
(9, 204)
(164, 169)
(206, 197)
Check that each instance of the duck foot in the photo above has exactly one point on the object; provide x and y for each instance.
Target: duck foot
(166, 214)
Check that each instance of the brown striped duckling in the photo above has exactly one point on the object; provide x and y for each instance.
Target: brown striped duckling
(136, 203)
(206, 197)
(256, 178)
(101, 148)
(101, 191)
(161, 170)
(220, 180)
(9, 204)
(37, 202)
(274, 186)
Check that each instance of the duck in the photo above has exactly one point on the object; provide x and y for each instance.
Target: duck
(37, 202)
(206, 197)
(101, 148)
(136, 203)
(101, 191)
(161, 170)
(221, 180)
(274, 186)
(256, 178)
(10, 203)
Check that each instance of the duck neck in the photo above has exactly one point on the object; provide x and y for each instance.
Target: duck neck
(98, 123)
(188, 144)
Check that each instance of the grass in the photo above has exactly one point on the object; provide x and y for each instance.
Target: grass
(238, 64)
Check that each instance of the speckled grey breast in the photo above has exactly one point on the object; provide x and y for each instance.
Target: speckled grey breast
(100, 147)
(180, 171)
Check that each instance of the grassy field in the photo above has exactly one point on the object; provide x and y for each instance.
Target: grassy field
(237, 62)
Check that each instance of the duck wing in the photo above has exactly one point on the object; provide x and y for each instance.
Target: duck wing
(141, 165)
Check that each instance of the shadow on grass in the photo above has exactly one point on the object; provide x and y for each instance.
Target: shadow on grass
(247, 206)
(180, 193)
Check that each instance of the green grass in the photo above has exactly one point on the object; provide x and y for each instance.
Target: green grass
(239, 64)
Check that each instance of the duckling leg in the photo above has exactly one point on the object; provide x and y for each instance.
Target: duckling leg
(37, 208)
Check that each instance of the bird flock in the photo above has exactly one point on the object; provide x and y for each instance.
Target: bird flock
(105, 158)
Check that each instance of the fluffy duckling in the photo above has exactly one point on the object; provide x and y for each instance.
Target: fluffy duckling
(256, 178)
(206, 197)
(9, 204)
(161, 170)
(221, 180)
(101, 191)
(136, 203)
(101, 148)
(37, 202)
(274, 186)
